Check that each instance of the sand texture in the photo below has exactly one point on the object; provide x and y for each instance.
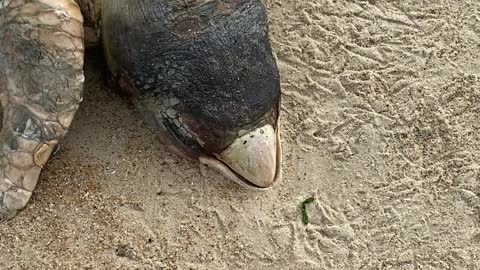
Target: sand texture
(380, 119)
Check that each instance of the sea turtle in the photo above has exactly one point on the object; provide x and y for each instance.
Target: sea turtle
(201, 72)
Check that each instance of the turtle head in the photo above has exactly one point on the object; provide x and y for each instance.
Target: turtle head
(222, 90)
(205, 78)
(222, 105)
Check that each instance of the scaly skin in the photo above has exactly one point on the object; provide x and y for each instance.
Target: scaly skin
(41, 85)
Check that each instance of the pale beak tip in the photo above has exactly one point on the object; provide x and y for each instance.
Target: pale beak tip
(254, 156)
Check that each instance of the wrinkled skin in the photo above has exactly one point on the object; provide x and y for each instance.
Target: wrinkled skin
(41, 84)
(201, 72)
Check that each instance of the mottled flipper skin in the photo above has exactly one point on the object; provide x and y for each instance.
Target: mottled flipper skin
(41, 85)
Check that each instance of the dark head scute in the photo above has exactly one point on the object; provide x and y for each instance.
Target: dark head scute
(230, 76)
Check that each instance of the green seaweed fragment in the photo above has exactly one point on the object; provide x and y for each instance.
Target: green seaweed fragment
(304, 209)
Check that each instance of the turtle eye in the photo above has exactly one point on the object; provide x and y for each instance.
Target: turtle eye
(182, 134)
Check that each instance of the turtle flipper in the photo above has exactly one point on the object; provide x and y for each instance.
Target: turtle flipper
(41, 85)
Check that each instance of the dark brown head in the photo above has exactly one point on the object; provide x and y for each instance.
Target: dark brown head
(205, 76)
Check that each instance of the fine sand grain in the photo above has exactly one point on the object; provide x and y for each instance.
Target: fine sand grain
(380, 119)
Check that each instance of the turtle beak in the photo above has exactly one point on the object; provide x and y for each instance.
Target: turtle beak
(252, 160)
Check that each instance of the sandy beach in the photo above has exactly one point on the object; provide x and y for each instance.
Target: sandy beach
(380, 124)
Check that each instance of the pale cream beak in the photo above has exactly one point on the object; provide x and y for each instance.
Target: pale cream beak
(252, 160)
